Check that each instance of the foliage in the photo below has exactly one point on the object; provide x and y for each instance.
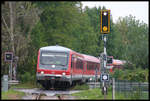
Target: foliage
(138, 75)
(27, 77)
(24, 18)
(129, 37)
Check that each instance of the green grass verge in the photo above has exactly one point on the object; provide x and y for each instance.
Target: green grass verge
(80, 87)
(96, 94)
(12, 94)
(27, 85)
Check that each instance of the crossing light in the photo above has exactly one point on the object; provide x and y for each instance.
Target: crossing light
(109, 60)
(105, 21)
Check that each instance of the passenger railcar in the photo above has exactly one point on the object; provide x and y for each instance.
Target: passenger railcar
(59, 66)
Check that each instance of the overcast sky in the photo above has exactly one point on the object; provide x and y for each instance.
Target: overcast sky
(118, 9)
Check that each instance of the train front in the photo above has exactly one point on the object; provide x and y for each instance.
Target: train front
(52, 67)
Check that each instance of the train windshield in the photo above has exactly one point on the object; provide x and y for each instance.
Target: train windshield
(54, 58)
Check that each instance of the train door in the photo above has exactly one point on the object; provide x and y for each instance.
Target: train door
(73, 67)
(84, 71)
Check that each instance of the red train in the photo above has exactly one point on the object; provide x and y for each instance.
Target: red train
(59, 66)
(117, 64)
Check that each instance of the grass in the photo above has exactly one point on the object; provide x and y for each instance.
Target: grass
(96, 94)
(81, 87)
(27, 85)
(12, 94)
(88, 94)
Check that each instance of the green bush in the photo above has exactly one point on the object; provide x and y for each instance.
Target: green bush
(139, 75)
(27, 77)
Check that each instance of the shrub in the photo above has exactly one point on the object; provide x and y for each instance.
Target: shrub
(139, 75)
(27, 77)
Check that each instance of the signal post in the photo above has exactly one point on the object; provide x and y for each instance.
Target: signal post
(105, 29)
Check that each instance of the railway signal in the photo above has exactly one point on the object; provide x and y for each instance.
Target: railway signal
(8, 56)
(104, 29)
(105, 21)
(109, 60)
(104, 77)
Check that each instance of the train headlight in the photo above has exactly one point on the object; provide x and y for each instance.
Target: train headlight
(63, 73)
(42, 72)
(90, 79)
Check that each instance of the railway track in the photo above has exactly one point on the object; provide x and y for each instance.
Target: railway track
(51, 94)
(40, 94)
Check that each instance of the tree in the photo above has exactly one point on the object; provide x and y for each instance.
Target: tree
(17, 26)
(132, 42)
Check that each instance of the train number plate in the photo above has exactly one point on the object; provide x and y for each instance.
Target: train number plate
(52, 77)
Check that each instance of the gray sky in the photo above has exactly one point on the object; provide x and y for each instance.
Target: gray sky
(118, 9)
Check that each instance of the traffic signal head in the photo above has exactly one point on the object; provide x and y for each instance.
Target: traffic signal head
(109, 60)
(105, 21)
(8, 56)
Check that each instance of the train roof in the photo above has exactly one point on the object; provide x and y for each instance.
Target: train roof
(118, 62)
(91, 58)
(61, 48)
(55, 48)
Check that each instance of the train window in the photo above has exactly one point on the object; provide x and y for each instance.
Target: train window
(56, 58)
(79, 64)
(93, 67)
(89, 66)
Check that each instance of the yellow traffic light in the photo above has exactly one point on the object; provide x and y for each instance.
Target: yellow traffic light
(105, 21)
(105, 28)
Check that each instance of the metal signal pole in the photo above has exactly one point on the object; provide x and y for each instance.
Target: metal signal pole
(105, 62)
(105, 53)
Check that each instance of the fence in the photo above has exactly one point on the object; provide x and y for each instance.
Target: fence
(130, 89)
